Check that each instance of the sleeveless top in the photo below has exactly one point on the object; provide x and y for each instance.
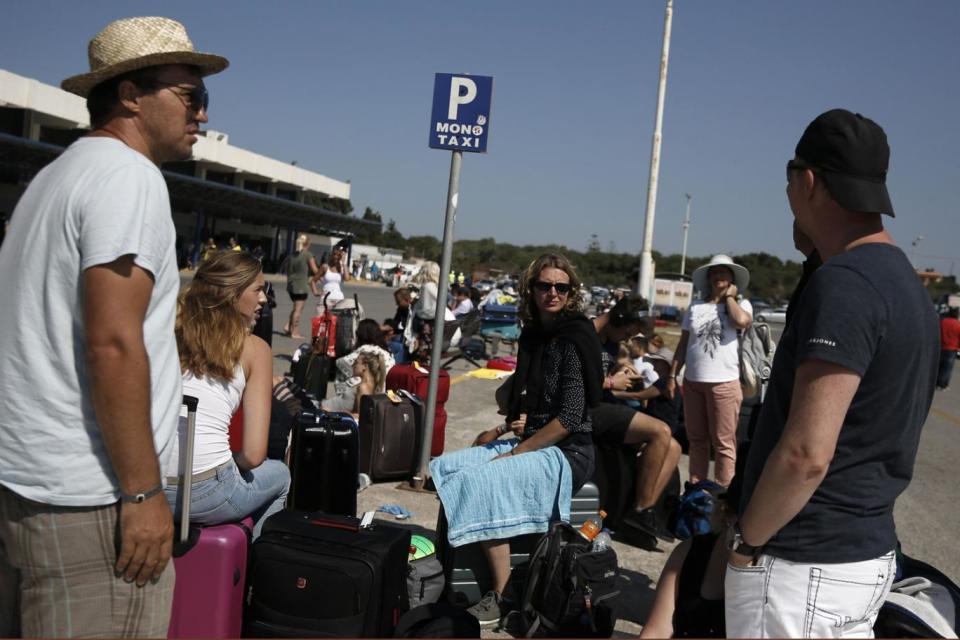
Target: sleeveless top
(694, 616)
(331, 285)
(218, 400)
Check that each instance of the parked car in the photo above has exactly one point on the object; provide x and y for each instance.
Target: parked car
(778, 315)
(484, 286)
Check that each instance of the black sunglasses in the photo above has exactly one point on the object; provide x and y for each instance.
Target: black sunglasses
(793, 165)
(563, 288)
(195, 98)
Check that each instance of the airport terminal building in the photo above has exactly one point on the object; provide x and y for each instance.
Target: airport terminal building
(222, 191)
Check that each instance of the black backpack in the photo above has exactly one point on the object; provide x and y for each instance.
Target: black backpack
(437, 620)
(571, 588)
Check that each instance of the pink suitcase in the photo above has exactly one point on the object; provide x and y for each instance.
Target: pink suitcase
(211, 566)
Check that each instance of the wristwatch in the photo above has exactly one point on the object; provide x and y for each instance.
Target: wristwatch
(736, 543)
(137, 498)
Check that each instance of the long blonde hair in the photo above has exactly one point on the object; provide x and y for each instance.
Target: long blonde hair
(374, 364)
(210, 330)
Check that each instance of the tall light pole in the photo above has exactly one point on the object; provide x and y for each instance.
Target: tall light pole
(913, 251)
(686, 227)
(644, 284)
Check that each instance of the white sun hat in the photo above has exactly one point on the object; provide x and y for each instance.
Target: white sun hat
(741, 277)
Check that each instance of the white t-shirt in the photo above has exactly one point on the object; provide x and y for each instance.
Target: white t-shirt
(712, 348)
(646, 371)
(464, 307)
(98, 201)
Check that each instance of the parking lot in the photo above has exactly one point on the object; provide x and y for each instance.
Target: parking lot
(926, 520)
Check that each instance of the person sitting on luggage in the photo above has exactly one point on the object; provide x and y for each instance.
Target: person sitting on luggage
(689, 602)
(369, 340)
(616, 425)
(557, 380)
(461, 304)
(224, 366)
(393, 328)
(369, 377)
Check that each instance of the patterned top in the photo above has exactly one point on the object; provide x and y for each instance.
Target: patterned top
(563, 396)
(563, 393)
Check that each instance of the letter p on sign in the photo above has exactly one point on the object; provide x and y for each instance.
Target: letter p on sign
(458, 97)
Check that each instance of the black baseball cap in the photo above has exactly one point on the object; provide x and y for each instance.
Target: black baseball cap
(851, 153)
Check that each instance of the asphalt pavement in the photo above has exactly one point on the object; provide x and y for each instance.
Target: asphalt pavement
(926, 521)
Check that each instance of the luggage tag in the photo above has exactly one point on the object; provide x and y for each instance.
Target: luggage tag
(367, 520)
(416, 365)
(393, 397)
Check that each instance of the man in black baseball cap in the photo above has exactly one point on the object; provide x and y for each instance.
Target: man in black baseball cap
(849, 392)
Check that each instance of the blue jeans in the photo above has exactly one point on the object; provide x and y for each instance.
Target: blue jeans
(397, 349)
(234, 494)
(947, 358)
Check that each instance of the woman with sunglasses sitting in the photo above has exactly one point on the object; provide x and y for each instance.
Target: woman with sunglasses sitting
(505, 488)
(225, 367)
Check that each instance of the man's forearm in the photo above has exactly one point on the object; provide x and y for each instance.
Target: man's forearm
(120, 384)
(784, 488)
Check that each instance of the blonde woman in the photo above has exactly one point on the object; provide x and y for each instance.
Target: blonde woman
(369, 378)
(227, 367)
(301, 281)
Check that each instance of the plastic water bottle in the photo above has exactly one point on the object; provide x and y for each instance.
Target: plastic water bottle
(591, 527)
(602, 541)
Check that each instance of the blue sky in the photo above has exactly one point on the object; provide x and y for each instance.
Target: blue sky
(344, 88)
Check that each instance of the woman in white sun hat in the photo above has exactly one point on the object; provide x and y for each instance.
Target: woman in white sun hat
(711, 383)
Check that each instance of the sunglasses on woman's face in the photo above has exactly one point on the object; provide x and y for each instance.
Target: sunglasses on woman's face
(562, 288)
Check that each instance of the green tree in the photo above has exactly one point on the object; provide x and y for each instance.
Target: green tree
(373, 235)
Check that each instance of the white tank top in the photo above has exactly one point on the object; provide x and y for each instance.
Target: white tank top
(217, 402)
(331, 285)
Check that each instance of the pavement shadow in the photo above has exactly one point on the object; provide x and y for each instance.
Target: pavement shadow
(636, 597)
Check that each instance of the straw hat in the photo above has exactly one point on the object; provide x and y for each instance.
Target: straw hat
(134, 43)
(741, 277)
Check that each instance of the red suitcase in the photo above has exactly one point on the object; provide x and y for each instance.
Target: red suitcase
(211, 565)
(415, 379)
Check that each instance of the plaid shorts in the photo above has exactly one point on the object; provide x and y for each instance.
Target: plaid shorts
(56, 568)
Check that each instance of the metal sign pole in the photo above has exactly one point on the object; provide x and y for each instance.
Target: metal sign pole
(453, 192)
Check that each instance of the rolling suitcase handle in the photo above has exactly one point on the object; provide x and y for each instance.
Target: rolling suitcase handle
(187, 466)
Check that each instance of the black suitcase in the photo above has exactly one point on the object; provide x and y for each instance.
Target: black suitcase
(324, 463)
(390, 437)
(347, 319)
(312, 372)
(321, 575)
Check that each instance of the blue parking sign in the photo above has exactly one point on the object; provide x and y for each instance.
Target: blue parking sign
(461, 112)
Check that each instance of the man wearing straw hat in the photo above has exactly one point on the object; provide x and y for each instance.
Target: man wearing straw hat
(813, 552)
(89, 372)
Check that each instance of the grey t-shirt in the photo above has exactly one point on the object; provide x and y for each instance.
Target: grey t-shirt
(99, 201)
(865, 310)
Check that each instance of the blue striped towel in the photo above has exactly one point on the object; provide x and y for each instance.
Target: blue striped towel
(493, 500)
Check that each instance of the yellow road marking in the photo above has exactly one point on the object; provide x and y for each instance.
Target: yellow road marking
(947, 416)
